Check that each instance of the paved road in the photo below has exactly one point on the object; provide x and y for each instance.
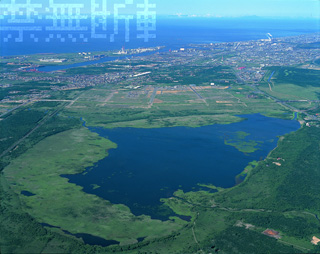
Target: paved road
(199, 96)
(153, 96)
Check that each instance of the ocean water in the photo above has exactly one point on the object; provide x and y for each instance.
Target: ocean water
(150, 164)
(170, 32)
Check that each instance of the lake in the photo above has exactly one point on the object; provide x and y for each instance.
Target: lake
(150, 164)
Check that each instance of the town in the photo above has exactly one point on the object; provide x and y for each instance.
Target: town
(247, 61)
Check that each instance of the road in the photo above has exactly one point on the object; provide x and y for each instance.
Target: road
(153, 96)
(41, 122)
(31, 101)
(199, 96)
(13, 109)
(67, 103)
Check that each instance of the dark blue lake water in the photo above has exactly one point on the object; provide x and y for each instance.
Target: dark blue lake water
(150, 164)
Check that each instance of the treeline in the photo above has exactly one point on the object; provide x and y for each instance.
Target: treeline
(296, 76)
(292, 186)
(27, 88)
(300, 189)
(20, 233)
(298, 227)
(240, 240)
(21, 124)
(18, 124)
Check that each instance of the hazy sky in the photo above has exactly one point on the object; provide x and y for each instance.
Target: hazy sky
(216, 8)
(286, 8)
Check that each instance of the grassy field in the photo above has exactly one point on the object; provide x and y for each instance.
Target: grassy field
(165, 106)
(59, 203)
(289, 83)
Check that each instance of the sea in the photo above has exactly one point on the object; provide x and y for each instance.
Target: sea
(170, 32)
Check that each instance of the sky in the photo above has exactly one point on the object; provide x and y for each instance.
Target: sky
(239, 8)
(214, 8)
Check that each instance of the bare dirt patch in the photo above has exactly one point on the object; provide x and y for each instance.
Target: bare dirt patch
(224, 102)
(315, 240)
(171, 92)
(194, 101)
(157, 101)
(242, 224)
(272, 233)
(222, 88)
